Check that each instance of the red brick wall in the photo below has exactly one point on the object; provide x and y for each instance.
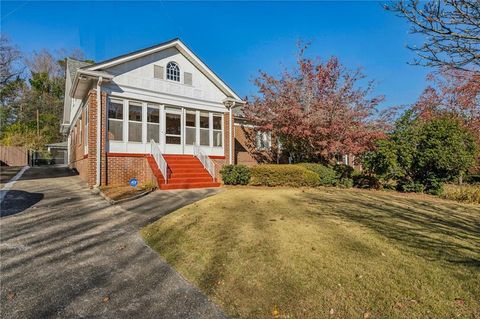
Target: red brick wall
(245, 151)
(78, 160)
(122, 167)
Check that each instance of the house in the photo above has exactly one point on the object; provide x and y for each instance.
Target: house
(159, 115)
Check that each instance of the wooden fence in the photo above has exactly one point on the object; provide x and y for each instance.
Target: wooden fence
(13, 155)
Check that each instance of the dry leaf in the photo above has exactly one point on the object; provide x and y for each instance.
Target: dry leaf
(332, 311)
(11, 295)
(106, 298)
(366, 315)
(459, 301)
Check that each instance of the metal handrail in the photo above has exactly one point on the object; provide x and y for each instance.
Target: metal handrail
(205, 160)
(161, 162)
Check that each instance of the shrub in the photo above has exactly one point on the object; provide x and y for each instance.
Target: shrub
(462, 193)
(235, 174)
(473, 179)
(366, 181)
(327, 175)
(409, 186)
(344, 175)
(283, 175)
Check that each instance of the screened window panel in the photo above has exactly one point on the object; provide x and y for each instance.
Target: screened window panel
(217, 122)
(153, 132)
(172, 124)
(190, 135)
(204, 120)
(153, 115)
(190, 119)
(204, 137)
(217, 138)
(115, 110)
(172, 139)
(115, 130)
(135, 112)
(134, 131)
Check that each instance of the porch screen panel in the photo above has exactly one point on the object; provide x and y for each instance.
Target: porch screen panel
(172, 128)
(217, 130)
(153, 123)
(190, 127)
(115, 120)
(134, 122)
(204, 129)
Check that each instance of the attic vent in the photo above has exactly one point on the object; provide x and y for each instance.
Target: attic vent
(187, 78)
(158, 72)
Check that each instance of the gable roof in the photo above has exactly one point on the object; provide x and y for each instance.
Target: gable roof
(73, 65)
(182, 48)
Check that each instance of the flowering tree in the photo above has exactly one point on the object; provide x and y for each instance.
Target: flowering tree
(316, 111)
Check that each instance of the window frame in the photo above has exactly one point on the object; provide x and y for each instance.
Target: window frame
(176, 72)
(158, 108)
(220, 115)
(122, 120)
(136, 104)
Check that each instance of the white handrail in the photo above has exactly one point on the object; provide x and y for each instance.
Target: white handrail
(205, 160)
(161, 162)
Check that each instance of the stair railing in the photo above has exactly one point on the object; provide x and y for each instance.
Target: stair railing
(205, 160)
(161, 162)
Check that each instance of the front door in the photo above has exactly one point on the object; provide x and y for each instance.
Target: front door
(173, 131)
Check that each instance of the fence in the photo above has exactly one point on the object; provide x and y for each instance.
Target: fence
(13, 155)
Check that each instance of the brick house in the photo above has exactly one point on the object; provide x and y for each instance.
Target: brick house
(159, 115)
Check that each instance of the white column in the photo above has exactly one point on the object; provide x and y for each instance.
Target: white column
(197, 127)
(210, 129)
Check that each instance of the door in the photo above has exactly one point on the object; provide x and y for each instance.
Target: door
(173, 131)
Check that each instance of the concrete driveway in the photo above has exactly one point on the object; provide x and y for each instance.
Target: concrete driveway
(66, 253)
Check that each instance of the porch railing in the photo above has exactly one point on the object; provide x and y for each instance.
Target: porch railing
(161, 162)
(205, 160)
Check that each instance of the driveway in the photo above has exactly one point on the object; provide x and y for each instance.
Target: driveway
(65, 253)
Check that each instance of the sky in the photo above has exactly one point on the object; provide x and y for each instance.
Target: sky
(235, 39)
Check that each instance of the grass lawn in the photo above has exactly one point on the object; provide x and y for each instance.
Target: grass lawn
(327, 253)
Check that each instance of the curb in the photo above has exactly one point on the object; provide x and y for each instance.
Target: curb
(123, 200)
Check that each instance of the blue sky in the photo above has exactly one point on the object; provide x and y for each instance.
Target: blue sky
(236, 39)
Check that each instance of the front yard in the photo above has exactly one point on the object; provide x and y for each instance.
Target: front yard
(327, 253)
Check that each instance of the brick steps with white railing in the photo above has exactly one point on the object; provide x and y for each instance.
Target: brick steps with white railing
(184, 172)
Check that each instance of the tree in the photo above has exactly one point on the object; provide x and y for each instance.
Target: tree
(452, 93)
(423, 154)
(451, 29)
(316, 111)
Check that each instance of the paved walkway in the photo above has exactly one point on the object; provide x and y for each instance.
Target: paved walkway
(66, 253)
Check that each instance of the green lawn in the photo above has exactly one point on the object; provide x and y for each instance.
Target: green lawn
(327, 253)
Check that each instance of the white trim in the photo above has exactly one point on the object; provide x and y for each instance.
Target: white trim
(186, 52)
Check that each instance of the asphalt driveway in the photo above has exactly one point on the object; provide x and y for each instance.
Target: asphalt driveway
(65, 253)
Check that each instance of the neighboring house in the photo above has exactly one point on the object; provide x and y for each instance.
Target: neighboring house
(158, 115)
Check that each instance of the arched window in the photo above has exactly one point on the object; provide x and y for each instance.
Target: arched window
(173, 71)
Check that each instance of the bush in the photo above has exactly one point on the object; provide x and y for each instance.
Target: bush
(283, 175)
(366, 181)
(235, 174)
(409, 186)
(344, 175)
(462, 193)
(327, 175)
(473, 179)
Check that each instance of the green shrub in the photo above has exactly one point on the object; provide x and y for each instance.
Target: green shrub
(366, 181)
(473, 179)
(327, 175)
(462, 193)
(235, 174)
(344, 175)
(409, 186)
(283, 175)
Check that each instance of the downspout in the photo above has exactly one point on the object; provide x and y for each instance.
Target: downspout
(231, 135)
(99, 131)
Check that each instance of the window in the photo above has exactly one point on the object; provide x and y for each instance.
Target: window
(264, 140)
(153, 123)
(204, 129)
(115, 120)
(217, 130)
(190, 127)
(134, 122)
(173, 72)
(172, 128)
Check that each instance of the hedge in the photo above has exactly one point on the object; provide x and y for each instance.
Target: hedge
(283, 175)
(327, 175)
(235, 174)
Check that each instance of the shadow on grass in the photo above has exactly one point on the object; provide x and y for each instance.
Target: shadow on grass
(429, 229)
